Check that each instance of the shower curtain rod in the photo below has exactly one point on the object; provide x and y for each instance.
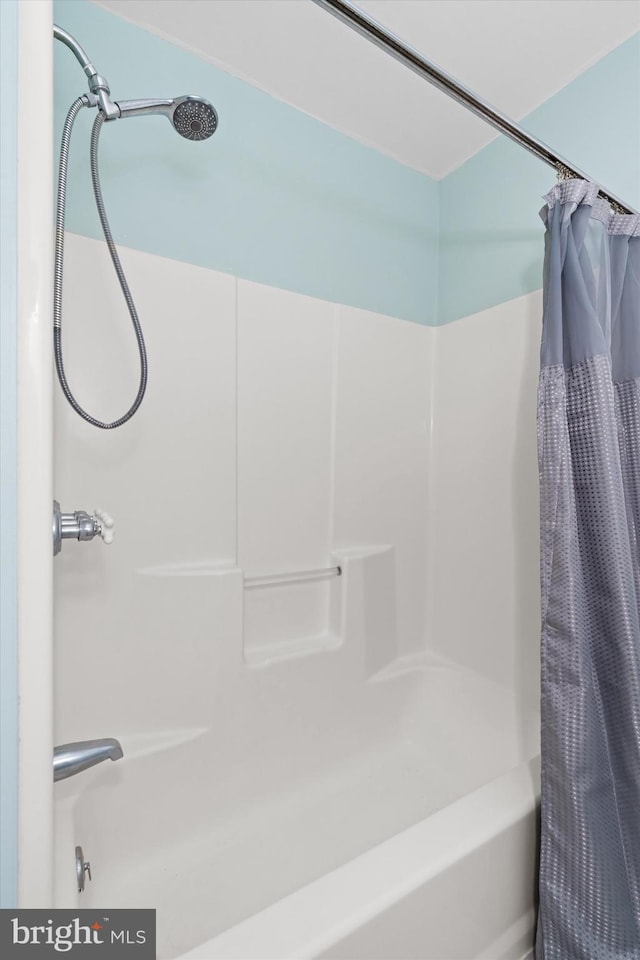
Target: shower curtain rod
(387, 41)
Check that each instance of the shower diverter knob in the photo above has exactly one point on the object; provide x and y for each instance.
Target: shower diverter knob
(79, 525)
(107, 524)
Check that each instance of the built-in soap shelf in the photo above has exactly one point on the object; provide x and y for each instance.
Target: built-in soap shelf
(351, 601)
(292, 614)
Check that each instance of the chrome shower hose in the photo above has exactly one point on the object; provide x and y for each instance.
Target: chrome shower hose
(75, 108)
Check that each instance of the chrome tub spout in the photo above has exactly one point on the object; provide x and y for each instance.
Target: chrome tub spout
(72, 758)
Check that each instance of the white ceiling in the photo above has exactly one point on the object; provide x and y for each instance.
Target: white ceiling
(513, 53)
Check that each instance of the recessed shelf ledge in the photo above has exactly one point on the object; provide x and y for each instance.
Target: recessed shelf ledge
(197, 568)
(288, 650)
(300, 576)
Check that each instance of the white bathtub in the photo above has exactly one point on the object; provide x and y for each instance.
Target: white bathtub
(459, 885)
(393, 819)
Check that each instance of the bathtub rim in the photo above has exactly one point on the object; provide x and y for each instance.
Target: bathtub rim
(293, 928)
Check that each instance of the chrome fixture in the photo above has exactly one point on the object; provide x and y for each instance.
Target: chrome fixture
(374, 31)
(194, 118)
(80, 525)
(72, 758)
(97, 84)
(299, 576)
(82, 867)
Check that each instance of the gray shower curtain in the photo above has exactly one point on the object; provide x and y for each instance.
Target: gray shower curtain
(589, 459)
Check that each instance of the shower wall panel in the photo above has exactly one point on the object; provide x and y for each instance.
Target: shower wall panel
(134, 621)
(280, 433)
(286, 345)
(382, 452)
(485, 609)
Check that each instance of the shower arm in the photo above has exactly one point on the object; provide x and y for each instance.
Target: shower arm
(113, 110)
(98, 85)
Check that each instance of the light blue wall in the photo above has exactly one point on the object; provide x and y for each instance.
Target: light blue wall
(275, 196)
(278, 197)
(491, 237)
(8, 550)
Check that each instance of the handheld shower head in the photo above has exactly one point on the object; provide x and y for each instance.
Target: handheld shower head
(193, 117)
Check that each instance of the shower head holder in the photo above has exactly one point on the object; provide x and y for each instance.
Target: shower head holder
(194, 118)
(100, 88)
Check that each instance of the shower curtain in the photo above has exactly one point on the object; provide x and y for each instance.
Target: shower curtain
(589, 460)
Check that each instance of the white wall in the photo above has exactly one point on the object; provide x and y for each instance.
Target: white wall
(484, 529)
(278, 429)
(278, 432)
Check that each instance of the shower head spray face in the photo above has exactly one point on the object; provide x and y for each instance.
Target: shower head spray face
(194, 118)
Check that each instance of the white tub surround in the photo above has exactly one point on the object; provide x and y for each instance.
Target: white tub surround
(277, 734)
(264, 446)
(484, 523)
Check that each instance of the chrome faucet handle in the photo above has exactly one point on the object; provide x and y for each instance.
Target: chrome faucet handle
(80, 525)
